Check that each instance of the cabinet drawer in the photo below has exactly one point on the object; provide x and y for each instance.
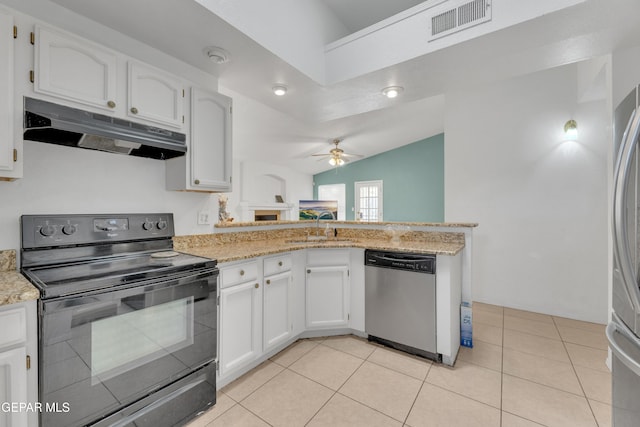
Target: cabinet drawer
(327, 257)
(239, 273)
(277, 264)
(14, 326)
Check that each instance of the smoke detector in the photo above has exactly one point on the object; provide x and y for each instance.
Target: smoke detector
(217, 54)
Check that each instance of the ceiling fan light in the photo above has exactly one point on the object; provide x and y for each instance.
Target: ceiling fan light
(340, 162)
(332, 161)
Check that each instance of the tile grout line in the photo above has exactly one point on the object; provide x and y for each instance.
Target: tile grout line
(576, 374)
(334, 391)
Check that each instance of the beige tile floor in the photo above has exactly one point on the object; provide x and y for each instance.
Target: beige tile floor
(526, 369)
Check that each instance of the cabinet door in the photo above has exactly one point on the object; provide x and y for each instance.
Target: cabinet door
(210, 141)
(74, 69)
(240, 325)
(278, 325)
(6, 93)
(327, 296)
(154, 95)
(13, 385)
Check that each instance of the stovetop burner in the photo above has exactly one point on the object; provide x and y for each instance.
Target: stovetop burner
(67, 255)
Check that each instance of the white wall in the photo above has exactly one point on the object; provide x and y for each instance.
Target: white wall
(626, 72)
(296, 31)
(542, 205)
(70, 180)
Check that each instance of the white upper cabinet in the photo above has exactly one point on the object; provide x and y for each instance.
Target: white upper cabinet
(6, 96)
(207, 166)
(154, 95)
(74, 69)
(210, 140)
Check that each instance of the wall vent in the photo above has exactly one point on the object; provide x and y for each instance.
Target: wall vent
(459, 16)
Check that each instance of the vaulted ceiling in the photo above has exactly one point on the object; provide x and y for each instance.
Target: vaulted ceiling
(331, 98)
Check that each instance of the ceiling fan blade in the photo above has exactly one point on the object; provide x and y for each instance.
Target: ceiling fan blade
(323, 155)
(355, 156)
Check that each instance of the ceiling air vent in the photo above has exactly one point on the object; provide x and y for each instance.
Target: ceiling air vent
(458, 16)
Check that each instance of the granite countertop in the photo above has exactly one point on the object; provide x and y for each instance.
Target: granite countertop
(14, 287)
(358, 223)
(245, 250)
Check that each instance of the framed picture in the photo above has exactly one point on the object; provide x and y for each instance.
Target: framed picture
(312, 209)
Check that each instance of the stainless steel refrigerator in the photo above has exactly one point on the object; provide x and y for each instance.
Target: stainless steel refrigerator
(623, 332)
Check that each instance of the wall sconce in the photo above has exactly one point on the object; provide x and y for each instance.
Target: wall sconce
(571, 130)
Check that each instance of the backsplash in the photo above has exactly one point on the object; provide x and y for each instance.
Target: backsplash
(8, 260)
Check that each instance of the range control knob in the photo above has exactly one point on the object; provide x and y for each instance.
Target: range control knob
(147, 225)
(162, 225)
(69, 229)
(47, 230)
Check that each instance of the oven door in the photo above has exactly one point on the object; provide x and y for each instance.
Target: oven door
(105, 351)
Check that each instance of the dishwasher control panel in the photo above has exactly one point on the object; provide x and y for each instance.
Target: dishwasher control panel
(419, 263)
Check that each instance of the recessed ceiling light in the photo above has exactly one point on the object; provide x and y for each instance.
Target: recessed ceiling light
(392, 91)
(217, 54)
(280, 90)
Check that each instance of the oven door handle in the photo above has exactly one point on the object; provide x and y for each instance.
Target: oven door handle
(145, 287)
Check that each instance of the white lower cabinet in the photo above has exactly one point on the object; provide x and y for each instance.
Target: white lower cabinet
(327, 302)
(327, 289)
(240, 326)
(18, 363)
(256, 312)
(13, 389)
(277, 325)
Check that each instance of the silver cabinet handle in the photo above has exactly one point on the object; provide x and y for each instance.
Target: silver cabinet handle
(134, 110)
(268, 282)
(280, 264)
(257, 285)
(111, 104)
(196, 182)
(629, 362)
(242, 272)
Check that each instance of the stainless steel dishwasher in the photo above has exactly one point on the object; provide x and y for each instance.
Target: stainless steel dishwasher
(400, 301)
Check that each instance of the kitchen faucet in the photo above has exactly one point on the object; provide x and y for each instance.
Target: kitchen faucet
(318, 220)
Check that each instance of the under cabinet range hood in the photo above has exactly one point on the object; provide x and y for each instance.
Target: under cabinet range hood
(58, 124)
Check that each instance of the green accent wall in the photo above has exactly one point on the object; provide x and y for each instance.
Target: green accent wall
(413, 180)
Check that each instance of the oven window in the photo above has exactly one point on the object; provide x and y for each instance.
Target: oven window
(127, 341)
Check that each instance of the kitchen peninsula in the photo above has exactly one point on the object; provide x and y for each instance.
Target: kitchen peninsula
(284, 280)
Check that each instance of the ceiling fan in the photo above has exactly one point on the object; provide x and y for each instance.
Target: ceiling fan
(337, 156)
